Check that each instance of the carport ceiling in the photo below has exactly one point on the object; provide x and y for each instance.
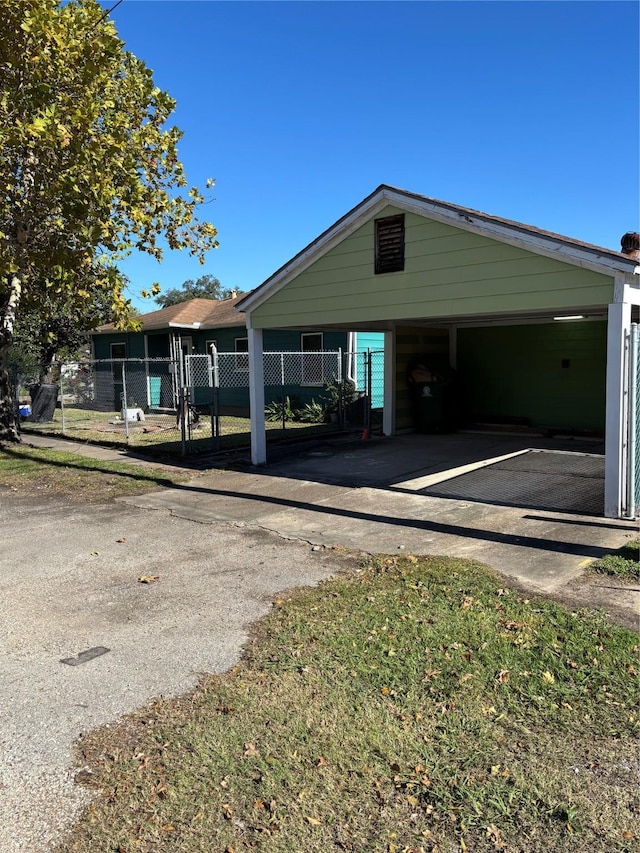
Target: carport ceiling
(591, 313)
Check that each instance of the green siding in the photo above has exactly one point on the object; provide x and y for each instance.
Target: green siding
(275, 340)
(158, 345)
(516, 372)
(233, 399)
(369, 340)
(132, 341)
(448, 273)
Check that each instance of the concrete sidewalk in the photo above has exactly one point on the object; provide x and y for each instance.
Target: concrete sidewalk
(541, 550)
(95, 451)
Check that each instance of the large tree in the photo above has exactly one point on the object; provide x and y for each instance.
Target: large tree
(89, 169)
(205, 287)
(57, 330)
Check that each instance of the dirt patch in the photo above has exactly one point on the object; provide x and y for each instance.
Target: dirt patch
(620, 601)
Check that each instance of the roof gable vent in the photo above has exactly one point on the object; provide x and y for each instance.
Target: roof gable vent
(389, 236)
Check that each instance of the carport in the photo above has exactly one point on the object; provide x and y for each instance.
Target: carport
(537, 325)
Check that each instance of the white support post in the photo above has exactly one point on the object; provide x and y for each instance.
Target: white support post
(256, 397)
(618, 327)
(389, 404)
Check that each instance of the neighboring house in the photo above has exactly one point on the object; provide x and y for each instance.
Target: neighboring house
(534, 323)
(193, 327)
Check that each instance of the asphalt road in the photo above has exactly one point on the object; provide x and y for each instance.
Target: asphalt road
(69, 584)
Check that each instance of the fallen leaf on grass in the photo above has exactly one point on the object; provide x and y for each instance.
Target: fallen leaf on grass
(495, 835)
(313, 821)
(546, 676)
(250, 750)
(148, 578)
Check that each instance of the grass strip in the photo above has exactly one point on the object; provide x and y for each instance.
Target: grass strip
(29, 471)
(417, 705)
(624, 564)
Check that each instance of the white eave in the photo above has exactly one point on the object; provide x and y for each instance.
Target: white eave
(593, 258)
(193, 326)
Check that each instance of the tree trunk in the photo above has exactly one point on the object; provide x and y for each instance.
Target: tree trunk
(9, 428)
(8, 422)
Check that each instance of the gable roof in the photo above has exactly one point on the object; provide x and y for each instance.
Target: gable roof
(191, 314)
(528, 237)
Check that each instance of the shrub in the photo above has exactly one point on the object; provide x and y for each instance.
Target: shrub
(284, 409)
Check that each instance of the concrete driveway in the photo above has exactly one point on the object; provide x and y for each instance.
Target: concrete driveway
(424, 494)
(222, 547)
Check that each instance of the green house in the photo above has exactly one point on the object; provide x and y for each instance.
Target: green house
(533, 325)
(195, 327)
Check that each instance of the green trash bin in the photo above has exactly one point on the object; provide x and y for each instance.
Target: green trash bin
(430, 409)
(432, 388)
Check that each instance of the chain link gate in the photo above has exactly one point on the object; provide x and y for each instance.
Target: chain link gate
(332, 389)
(295, 384)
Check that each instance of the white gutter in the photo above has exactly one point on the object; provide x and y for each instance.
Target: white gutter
(352, 343)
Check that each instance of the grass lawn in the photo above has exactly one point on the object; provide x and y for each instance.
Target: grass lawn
(624, 564)
(31, 471)
(159, 431)
(416, 705)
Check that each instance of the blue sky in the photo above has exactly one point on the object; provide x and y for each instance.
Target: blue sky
(525, 110)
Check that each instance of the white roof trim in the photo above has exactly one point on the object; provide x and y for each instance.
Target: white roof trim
(467, 220)
(314, 250)
(540, 244)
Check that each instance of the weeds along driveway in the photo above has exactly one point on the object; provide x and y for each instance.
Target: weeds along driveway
(69, 578)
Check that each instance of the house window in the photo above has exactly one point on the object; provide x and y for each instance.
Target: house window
(311, 344)
(118, 351)
(242, 353)
(389, 244)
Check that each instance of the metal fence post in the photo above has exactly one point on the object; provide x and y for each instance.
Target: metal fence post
(367, 417)
(124, 401)
(284, 417)
(215, 401)
(183, 409)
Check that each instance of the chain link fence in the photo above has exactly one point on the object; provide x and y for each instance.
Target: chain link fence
(200, 403)
(115, 401)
